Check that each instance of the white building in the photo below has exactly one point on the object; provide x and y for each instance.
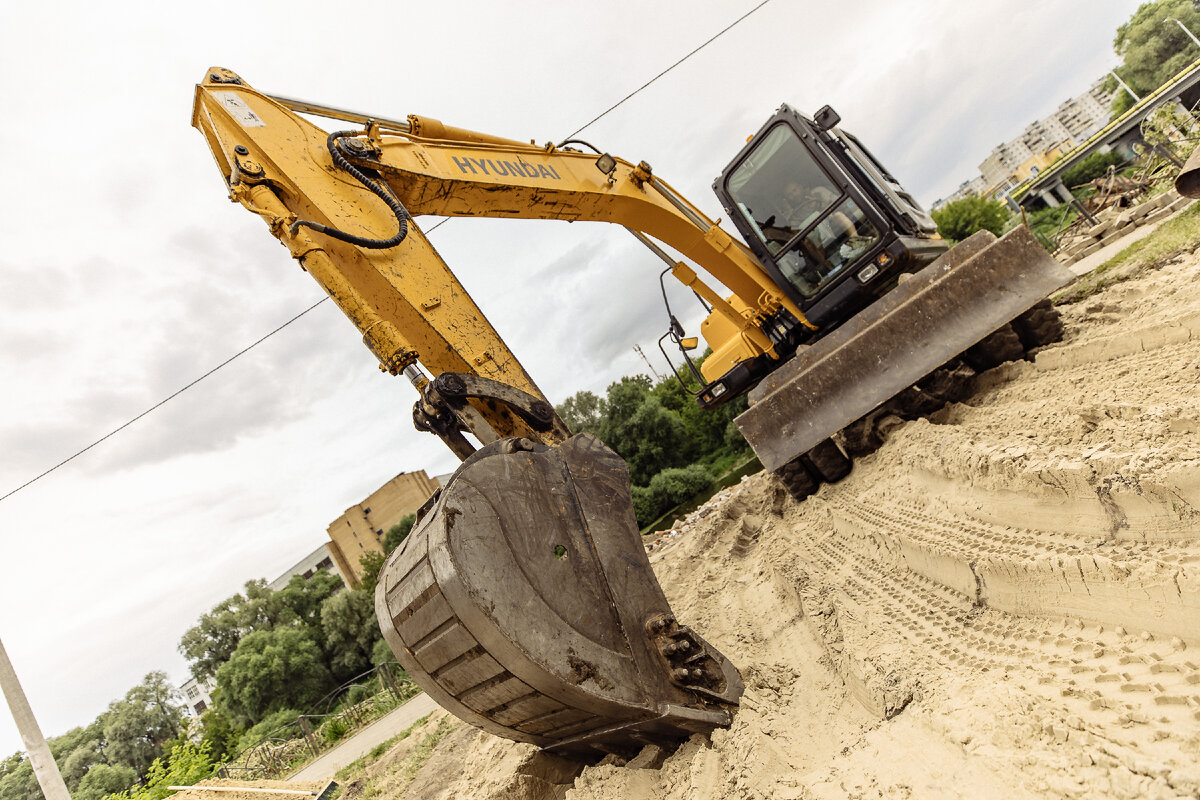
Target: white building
(1069, 126)
(197, 696)
(318, 560)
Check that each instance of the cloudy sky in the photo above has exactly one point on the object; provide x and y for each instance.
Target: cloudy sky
(125, 273)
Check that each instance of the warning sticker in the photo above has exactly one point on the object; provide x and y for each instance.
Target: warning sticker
(239, 110)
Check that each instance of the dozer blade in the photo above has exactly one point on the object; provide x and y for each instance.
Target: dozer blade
(523, 602)
(970, 291)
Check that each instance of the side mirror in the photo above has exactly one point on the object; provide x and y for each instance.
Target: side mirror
(690, 343)
(826, 118)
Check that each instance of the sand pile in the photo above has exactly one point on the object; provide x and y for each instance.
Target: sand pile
(1002, 602)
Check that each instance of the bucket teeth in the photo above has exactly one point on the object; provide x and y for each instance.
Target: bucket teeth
(524, 603)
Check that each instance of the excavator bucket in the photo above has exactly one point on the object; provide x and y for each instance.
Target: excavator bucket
(970, 291)
(524, 603)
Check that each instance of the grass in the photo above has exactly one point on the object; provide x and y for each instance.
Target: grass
(1179, 234)
(362, 781)
(421, 753)
(356, 769)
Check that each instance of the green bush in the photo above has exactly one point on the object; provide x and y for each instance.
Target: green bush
(334, 729)
(668, 489)
(381, 653)
(958, 220)
(1091, 168)
(276, 725)
(357, 694)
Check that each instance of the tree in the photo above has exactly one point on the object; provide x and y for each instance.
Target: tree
(137, 727)
(186, 764)
(668, 489)
(212, 640)
(105, 779)
(1090, 168)
(583, 412)
(1152, 48)
(270, 670)
(958, 220)
(398, 532)
(648, 436)
(371, 564)
(218, 733)
(17, 781)
(79, 761)
(302, 599)
(351, 632)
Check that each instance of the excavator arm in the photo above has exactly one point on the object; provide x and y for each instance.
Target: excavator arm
(522, 600)
(390, 281)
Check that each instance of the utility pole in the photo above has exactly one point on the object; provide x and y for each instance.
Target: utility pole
(638, 348)
(44, 768)
(1125, 86)
(1191, 35)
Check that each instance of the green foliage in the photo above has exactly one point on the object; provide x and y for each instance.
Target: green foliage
(1090, 168)
(357, 694)
(270, 670)
(371, 563)
(668, 489)
(1176, 236)
(186, 764)
(17, 781)
(334, 729)
(1153, 49)
(75, 763)
(302, 598)
(218, 733)
(381, 653)
(958, 220)
(211, 641)
(351, 631)
(583, 412)
(137, 727)
(398, 532)
(105, 779)
(279, 724)
(643, 432)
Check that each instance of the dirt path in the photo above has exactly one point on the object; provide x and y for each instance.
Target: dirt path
(1002, 602)
(365, 740)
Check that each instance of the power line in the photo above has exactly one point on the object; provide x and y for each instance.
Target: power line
(718, 35)
(172, 396)
(250, 347)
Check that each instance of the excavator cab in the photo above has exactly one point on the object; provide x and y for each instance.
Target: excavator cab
(825, 219)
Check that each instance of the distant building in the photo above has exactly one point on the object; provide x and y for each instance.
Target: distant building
(197, 696)
(362, 527)
(1044, 141)
(319, 560)
(966, 189)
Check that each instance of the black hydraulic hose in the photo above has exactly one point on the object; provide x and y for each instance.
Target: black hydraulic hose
(566, 142)
(394, 204)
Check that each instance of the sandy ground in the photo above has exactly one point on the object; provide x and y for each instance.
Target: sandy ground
(1002, 602)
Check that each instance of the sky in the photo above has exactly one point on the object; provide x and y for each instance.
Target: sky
(125, 273)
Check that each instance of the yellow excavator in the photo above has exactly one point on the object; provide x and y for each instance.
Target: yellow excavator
(523, 600)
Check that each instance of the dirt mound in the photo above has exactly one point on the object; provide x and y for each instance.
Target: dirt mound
(1002, 602)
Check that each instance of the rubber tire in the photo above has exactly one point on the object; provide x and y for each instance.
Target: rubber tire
(1000, 346)
(1039, 326)
(796, 478)
(828, 462)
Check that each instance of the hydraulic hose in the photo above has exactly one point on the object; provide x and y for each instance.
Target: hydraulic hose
(402, 215)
